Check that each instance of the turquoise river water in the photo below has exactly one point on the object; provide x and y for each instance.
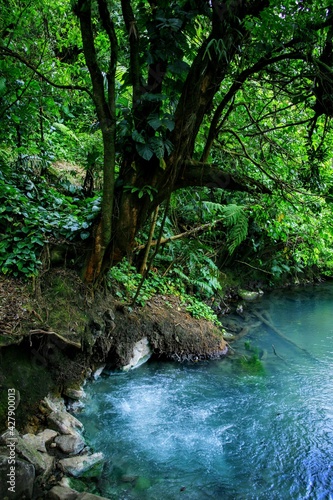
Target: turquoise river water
(214, 430)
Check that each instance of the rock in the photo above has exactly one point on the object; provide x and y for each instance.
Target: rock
(247, 295)
(42, 462)
(39, 440)
(23, 479)
(8, 436)
(240, 309)
(71, 444)
(228, 335)
(75, 406)
(83, 465)
(75, 393)
(64, 422)
(109, 319)
(54, 403)
(62, 493)
(65, 481)
(97, 373)
(141, 353)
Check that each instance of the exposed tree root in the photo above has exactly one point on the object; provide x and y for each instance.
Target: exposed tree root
(246, 329)
(61, 337)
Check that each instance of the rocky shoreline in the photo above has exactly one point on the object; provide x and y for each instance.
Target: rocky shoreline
(42, 465)
(44, 354)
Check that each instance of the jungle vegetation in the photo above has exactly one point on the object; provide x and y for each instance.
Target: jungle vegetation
(175, 137)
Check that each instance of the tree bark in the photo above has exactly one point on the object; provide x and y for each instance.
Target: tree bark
(106, 112)
(132, 212)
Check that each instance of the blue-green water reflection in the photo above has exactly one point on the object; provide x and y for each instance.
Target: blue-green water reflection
(215, 431)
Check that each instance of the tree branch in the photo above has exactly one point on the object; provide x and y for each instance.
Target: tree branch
(196, 173)
(8, 52)
(238, 83)
(133, 38)
(263, 132)
(178, 236)
(252, 160)
(108, 25)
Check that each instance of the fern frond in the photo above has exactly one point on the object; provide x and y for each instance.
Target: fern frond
(208, 289)
(232, 214)
(238, 232)
(216, 208)
(181, 274)
(65, 130)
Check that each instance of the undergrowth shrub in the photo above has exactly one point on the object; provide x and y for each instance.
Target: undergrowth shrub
(31, 211)
(124, 280)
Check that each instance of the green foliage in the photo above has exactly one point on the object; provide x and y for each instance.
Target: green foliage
(153, 146)
(127, 279)
(293, 237)
(199, 309)
(35, 213)
(193, 266)
(149, 191)
(237, 221)
(274, 129)
(124, 279)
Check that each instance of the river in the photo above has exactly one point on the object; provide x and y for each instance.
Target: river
(221, 429)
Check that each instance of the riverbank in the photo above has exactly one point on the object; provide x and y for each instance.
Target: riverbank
(56, 334)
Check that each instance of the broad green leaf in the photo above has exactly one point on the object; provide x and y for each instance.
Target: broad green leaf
(137, 137)
(145, 151)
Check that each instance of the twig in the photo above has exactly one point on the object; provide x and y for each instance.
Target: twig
(269, 323)
(253, 267)
(37, 315)
(149, 242)
(276, 354)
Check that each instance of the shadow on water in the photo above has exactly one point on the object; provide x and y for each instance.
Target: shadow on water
(218, 431)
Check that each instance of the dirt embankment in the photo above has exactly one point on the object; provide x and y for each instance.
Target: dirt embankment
(53, 333)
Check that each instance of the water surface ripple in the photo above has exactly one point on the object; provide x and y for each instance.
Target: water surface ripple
(216, 431)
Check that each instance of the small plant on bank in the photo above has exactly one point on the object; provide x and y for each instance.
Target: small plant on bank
(124, 279)
(199, 309)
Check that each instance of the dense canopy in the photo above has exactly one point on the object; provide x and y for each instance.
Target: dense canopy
(199, 131)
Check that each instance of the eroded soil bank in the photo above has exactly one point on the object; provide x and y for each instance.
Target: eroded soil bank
(56, 333)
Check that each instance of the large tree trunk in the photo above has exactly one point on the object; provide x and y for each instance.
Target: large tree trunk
(131, 212)
(210, 66)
